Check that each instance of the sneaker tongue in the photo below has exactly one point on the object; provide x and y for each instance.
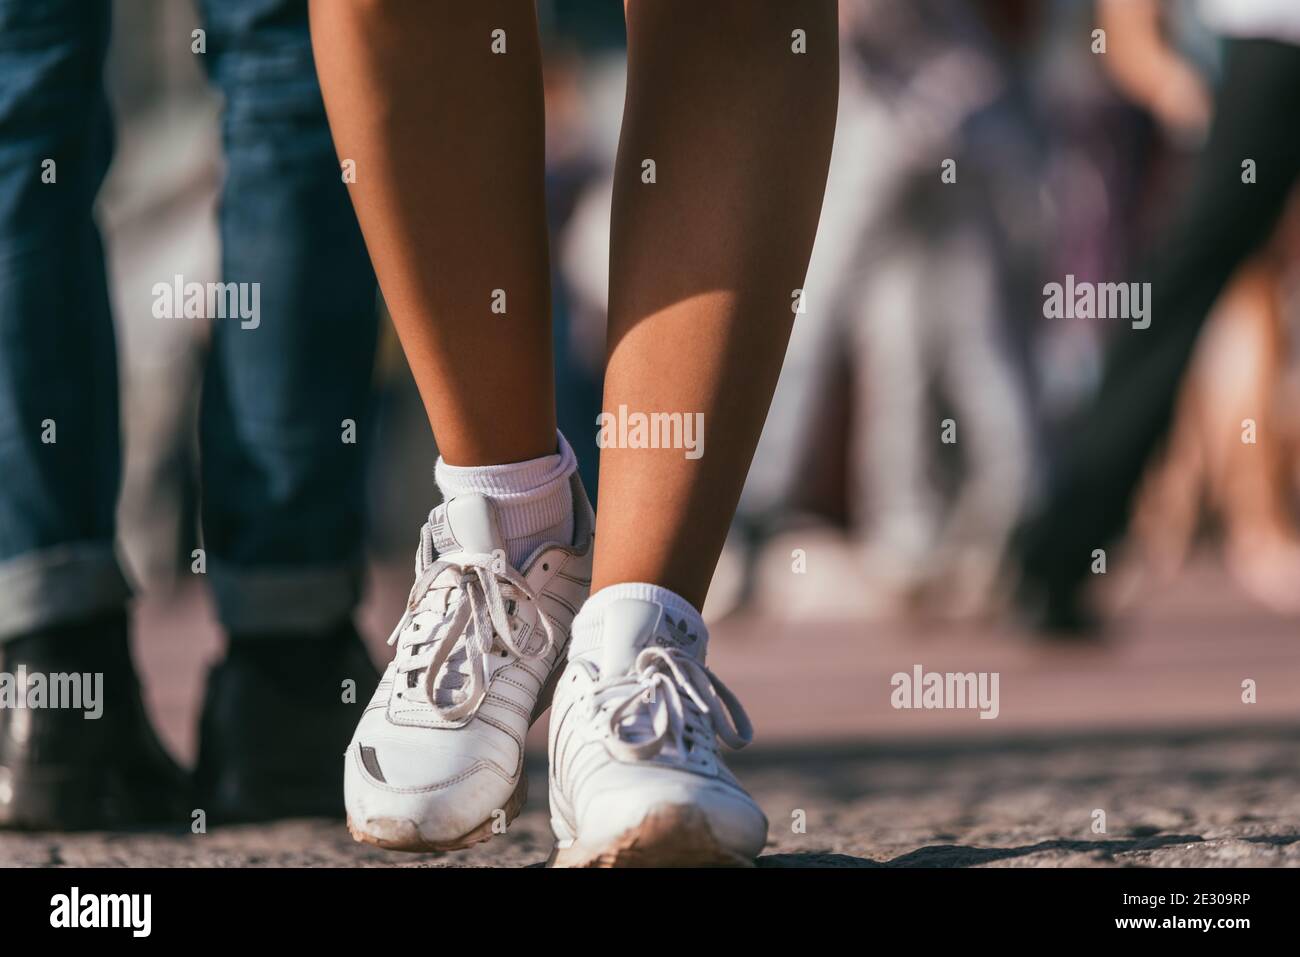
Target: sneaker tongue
(631, 624)
(466, 523)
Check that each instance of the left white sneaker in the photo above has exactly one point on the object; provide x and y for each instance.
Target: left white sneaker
(636, 779)
(436, 762)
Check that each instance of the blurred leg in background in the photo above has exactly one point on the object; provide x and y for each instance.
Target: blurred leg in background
(895, 495)
(285, 424)
(62, 592)
(1224, 221)
(930, 324)
(1232, 390)
(979, 377)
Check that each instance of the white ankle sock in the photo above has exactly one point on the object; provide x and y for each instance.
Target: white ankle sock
(533, 499)
(587, 624)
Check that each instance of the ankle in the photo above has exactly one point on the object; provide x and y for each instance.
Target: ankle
(533, 499)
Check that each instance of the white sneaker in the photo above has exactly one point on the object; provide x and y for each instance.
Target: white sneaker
(436, 762)
(636, 779)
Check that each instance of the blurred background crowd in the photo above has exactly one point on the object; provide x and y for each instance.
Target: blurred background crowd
(924, 303)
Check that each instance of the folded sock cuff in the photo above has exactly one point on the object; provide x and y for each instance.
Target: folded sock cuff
(530, 496)
(677, 606)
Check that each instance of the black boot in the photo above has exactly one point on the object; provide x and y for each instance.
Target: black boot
(61, 770)
(276, 723)
(1056, 612)
(1050, 595)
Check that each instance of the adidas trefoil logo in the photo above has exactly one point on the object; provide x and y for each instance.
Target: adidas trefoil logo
(678, 631)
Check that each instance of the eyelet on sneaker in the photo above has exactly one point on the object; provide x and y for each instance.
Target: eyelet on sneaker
(545, 567)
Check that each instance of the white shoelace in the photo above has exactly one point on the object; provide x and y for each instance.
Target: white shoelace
(656, 682)
(466, 601)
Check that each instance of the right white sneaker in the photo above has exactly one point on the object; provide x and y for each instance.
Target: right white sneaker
(636, 779)
(436, 762)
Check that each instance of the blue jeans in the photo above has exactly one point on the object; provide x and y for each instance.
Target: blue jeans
(282, 492)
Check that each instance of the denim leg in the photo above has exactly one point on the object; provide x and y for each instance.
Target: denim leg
(283, 493)
(59, 439)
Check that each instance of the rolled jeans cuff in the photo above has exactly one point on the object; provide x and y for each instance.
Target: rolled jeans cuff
(59, 584)
(296, 600)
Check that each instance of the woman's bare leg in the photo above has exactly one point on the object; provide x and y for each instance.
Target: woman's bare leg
(439, 104)
(447, 137)
(705, 261)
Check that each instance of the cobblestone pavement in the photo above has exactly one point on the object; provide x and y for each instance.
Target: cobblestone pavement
(1220, 799)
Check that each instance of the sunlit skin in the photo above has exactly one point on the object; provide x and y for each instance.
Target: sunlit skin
(448, 143)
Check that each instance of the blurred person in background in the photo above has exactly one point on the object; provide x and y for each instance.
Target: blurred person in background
(1240, 364)
(925, 263)
(1226, 216)
(282, 494)
(938, 274)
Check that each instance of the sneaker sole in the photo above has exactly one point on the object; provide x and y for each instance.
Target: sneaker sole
(670, 835)
(401, 834)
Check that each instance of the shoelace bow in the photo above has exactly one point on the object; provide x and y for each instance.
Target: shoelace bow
(658, 678)
(474, 617)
